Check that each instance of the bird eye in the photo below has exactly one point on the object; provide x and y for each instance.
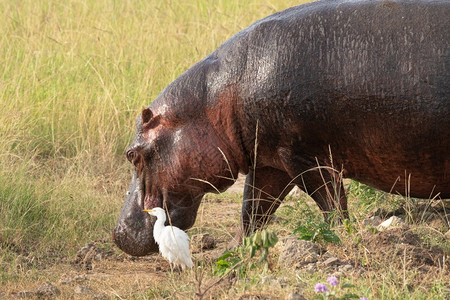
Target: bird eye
(128, 193)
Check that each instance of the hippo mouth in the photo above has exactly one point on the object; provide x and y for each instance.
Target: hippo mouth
(149, 200)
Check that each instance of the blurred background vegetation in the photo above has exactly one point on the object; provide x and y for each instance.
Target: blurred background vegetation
(74, 75)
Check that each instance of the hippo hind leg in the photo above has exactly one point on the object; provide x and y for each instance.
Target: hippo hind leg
(266, 187)
(326, 188)
(322, 183)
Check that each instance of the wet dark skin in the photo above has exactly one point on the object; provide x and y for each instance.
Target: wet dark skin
(367, 82)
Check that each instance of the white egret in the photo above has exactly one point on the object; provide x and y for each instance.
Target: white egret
(172, 241)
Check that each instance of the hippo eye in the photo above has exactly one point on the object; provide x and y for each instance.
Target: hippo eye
(131, 155)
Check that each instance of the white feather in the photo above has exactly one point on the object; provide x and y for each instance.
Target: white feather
(172, 241)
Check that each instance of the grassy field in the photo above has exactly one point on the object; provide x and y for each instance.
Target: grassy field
(74, 77)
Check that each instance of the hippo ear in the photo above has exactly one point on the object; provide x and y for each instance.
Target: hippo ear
(149, 120)
(147, 115)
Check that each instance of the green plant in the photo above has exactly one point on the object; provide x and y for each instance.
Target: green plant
(261, 241)
(317, 232)
(242, 259)
(367, 196)
(230, 260)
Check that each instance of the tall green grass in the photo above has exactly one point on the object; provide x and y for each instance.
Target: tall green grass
(74, 75)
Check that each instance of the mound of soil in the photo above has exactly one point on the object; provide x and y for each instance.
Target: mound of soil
(402, 248)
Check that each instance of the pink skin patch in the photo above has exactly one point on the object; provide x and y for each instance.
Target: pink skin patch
(150, 202)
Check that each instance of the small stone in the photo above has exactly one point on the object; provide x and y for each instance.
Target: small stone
(298, 253)
(25, 294)
(100, 296)
(267, 279)
(447, 235)
(332, 261)
(69, 280)
(46, 289)
(203, 241)
(295, 192)
(393, 221)
(295, 296)
(283, 282)
(372, 221)
(82, 289)
(346, 268)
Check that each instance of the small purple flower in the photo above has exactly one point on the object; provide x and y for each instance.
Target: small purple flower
(363, 298)
(333, 281)
(320, 287)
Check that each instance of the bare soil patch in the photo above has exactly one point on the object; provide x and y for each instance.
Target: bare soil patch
(100, 271)
(404, 249)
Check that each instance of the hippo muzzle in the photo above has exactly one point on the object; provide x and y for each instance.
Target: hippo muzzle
(135, 238)
(134, 229)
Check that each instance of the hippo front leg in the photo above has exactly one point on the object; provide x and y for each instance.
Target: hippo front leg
(264, 190)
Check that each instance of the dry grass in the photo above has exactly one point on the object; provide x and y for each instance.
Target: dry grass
(75, 75)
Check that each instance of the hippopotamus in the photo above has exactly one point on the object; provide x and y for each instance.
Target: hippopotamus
(304, 97)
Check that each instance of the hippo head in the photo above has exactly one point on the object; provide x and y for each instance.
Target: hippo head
(176, 161)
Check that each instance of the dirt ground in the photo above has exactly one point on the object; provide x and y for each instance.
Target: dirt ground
(100, 271)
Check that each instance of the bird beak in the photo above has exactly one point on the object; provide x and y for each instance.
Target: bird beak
(147, 210)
